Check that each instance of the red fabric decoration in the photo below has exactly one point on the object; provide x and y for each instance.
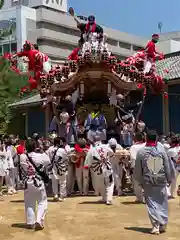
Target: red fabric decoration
(93, 29)
(151, 143)
(74, 54)
(24, 89)
(15, 69)
(20, 149)
(31, 56)
(33, 83)
(161, 56)
(166, 70)
(81, 158)
(139, 85)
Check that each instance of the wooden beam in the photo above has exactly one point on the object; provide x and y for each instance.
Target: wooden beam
(173, 82)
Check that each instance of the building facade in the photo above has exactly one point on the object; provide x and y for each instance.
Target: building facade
(47, 23)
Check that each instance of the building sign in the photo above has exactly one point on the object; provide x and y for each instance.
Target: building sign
(58, 2)
(60, 5)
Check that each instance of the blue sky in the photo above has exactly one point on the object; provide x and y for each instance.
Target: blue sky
(139, 17)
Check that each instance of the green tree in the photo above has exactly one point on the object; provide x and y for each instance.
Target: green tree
(1, 3)
(10, 85)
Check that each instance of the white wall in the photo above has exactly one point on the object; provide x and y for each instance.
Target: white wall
(175, 46)
(168, 46)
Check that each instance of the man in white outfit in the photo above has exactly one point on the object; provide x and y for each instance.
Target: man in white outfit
(98, 158)
(32, 165)
(3, 167)
(116, 165)
(174, 154)
(71, 176)
(59, 165)
(10, 172)
(138, 144)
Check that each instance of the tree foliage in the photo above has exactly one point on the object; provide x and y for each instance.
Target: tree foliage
(10, 85)
(1, 3)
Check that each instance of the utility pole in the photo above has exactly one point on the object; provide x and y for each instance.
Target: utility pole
(160, 25)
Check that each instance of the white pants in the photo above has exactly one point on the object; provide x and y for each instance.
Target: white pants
(10, 179)
(118, 175)
(70, 178)
(46, 67)
(82, 177)
(59, 185)
(92, 134)
(172, 187)
(105, 187)
(138, 191)
(147, 66)
(33, 196)
(93, 179)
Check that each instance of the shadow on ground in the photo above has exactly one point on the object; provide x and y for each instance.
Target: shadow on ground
(92, 202)
(17, 201)
(138, 229)
(132, 203)
(21, 225)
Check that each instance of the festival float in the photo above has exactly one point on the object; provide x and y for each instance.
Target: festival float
(94, 74)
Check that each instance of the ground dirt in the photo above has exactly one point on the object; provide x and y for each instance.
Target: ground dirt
(82, 218)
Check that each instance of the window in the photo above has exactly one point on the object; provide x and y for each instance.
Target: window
(53, 43)
(119, 57)
(6, 48)
(112, 42)
(125, 45)
(13, 47)
(137, 48)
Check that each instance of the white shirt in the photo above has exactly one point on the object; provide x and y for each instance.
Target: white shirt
(51, 150)
(98, 157)
(60, 161)
(114, 159)
(37, 158)
(9, 159)
(174, 155)
(134, 150)
(3, 162)
(166, 146)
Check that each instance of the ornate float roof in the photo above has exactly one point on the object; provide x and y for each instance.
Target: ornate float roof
(171, 63)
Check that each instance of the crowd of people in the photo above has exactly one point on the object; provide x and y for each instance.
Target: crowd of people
(32, 164)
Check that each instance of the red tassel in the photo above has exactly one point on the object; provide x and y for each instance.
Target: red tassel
(165, 95)
(139, 85)
(145, 92)
(24, 89)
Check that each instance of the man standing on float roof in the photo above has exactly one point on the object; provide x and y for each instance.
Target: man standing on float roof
(151, 53)
(90, 27)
